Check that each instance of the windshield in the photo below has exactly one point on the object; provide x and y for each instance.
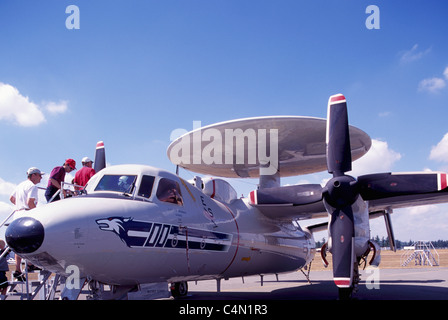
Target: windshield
(117, 183)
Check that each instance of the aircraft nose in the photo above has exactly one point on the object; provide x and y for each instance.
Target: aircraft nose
(25, 235)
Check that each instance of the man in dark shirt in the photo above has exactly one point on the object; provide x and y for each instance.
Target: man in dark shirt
(57, 176)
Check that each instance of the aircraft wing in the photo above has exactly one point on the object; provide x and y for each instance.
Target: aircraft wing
(402, 190)
(383, 191)
(289, 212)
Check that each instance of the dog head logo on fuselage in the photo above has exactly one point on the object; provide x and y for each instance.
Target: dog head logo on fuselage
(114, 224)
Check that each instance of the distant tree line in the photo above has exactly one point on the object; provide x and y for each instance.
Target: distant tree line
(384, 242)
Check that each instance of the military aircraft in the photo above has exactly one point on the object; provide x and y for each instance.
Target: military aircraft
(136, 224)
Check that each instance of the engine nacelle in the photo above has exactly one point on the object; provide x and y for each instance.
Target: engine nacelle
(362, 243)
(361, 225)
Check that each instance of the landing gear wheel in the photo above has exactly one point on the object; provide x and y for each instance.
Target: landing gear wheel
(179, 289)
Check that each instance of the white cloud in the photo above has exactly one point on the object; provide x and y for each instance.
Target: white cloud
(432, 85)
(431, 219)
(435, 84)
(6, 188)
(380, 158)
(5, 209)
(54, 107)
(21, 110)
(439, 152)
(17, 108)
(384, 114)
(413, 54)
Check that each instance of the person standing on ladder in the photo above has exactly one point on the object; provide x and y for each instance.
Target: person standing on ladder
(57, 176)
(25, 198)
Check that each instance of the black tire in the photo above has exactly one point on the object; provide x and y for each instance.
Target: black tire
(179, 289)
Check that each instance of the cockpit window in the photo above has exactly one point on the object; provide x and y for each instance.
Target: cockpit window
(146, 186)
(169, 191)
(117, 183)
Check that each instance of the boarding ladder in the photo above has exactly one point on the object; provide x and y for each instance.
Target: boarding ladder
(27, 289)
(422, 253)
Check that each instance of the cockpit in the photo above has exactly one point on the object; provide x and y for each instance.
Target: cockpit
(116, 183)
(169, 191)
(143, 185)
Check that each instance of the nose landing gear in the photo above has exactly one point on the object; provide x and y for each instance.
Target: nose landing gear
(179, 289)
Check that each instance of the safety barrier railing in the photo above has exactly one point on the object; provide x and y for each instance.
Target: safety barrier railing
(63, 192)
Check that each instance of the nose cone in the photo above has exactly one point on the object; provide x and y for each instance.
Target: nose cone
(25, 235)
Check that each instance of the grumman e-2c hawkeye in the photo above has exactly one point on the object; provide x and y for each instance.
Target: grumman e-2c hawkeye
(136, 224)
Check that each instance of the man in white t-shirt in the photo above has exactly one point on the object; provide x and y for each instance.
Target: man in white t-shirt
(25, 194)
(25, 197)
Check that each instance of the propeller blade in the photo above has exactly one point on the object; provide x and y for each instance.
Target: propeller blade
(296, 195)
(387, 185)
(342, 246)
(100, 157)
(340, 193)
(339, 157)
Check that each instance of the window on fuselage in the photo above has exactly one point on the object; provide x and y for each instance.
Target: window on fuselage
(169, 191)
(117, 183)
(146, 186)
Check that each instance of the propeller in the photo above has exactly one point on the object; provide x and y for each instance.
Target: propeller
(343, 194)
(340, 192)
(100, 157)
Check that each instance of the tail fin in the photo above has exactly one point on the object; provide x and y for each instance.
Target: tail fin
(100, 157)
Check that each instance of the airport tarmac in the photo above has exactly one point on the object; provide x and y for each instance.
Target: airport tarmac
(424, 283)
(430, 283)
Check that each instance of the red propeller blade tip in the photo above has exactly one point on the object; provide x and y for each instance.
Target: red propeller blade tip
(343, 282)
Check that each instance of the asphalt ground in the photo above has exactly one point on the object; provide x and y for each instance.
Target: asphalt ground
(430, 283)
(404, 292)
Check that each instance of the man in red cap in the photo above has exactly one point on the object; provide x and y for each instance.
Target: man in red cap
(57, 175)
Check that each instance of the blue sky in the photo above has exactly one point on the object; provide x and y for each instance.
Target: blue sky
(136, 70)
